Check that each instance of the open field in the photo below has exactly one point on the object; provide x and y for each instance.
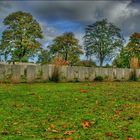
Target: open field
(70, 111)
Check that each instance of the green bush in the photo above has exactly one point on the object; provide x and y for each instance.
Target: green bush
(133, 76)
(86, 63)
(98, 78)
(55, 75)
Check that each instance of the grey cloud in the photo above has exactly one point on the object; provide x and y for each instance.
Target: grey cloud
(81, 11)
(49, 33)
(5, 7)
(87, 12)
(4, 4)
(125, 14)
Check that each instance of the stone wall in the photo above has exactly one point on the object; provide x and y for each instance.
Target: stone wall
(42, 73)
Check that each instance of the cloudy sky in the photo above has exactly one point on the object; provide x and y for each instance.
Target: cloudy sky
(58, 16)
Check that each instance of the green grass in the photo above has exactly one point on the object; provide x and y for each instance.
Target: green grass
(48, 110)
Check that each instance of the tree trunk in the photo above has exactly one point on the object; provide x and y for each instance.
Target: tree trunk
(66, 56)
(101, 62)
(134, 63)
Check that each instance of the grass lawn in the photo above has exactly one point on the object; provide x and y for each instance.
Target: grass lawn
(70, 111)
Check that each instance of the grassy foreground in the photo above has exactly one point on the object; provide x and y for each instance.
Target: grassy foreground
(70, 111)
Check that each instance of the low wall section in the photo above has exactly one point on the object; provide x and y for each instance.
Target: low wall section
(40, 73)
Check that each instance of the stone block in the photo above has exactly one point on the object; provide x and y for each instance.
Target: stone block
(31, 73)
(2, 72)
(16, 73)
(45, 72)
(63, 73)
(138, 73)
(70, 73)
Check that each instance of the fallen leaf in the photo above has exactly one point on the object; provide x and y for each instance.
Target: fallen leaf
(52, 126)
(49, 129)
(63, 126)
(126, 105)
(85, 124)
(130, 139)
(83, 91)
(55, 131)
(69, 132)
(14, 123)
(109, 134)
(69, 139)
(92, 122)
(117, 111)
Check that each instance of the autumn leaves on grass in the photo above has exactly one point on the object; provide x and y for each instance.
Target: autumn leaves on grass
(85, 124)
(85, 90)
(53, 129)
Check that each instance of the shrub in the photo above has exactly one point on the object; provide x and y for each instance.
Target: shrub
(133, 76)
(55, 75)
(58, 62)
(98, 78)
(86, 63)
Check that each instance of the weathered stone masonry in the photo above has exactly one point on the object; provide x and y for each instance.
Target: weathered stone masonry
(42, 73)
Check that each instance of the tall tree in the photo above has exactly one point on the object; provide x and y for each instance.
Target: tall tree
(134, 45)
(2, 54)
(132, 49)
(44, 56)
(67, 46)
(103, 40)
(21, 37)
(123, 59)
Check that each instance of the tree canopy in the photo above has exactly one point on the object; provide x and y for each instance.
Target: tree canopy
(123, 59)
(132, 49)
(134, 45)
(67, 46)
(103, 40)
(44, 56)
(20, 39)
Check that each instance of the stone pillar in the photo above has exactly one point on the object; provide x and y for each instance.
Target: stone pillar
(91, 73)
(38, 73)
(127, 74)
(2, 72)
(31, 72)
(81, 75)
(138, 74)
(63, 73)
(45, 72)
(110, 74)
(70, 73)
(120, 74)
(16, 73)
(76, 73)
(97, 72)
